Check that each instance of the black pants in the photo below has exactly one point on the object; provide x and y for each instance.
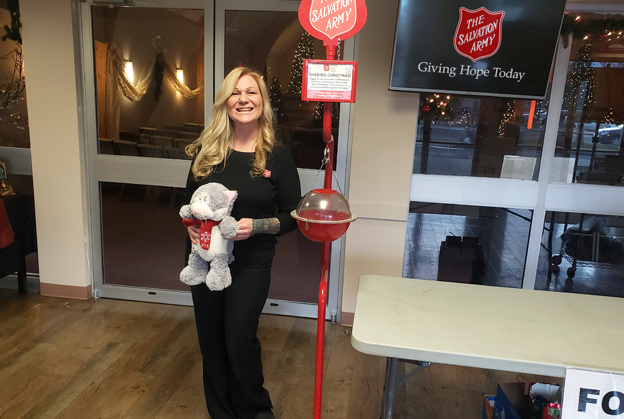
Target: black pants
(227, 324)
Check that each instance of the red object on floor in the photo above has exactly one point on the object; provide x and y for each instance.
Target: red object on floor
(6, 232)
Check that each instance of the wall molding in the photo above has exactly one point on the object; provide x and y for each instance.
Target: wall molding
(65, 291)
(346, 318)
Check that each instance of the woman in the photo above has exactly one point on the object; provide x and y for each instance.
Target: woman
(238, 150)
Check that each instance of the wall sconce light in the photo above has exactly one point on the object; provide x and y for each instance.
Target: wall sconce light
(180, 75)
(129, 71)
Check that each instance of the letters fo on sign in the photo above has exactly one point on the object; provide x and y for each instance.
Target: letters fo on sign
(593, 395)
(329, 20)
(329, 81)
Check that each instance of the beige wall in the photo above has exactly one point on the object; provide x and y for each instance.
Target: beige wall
(382, 156)
(55, 142)
(384, 126)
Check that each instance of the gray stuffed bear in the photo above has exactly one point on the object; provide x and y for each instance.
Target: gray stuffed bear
(210, 208)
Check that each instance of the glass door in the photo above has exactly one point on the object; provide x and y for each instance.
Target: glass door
(149, 69)
(268, 37)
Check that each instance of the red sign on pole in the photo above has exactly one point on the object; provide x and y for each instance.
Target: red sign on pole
(329, 20)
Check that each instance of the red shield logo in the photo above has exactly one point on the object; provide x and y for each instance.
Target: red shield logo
(479, 33)
(329, 21)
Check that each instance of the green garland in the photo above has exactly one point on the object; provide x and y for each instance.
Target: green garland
(159, 72)
(579, 29)
(13, 32)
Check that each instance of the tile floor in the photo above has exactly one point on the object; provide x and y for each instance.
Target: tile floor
(503, 235)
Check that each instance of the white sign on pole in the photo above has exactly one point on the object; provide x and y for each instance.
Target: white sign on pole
(593, 395)
(329, 81)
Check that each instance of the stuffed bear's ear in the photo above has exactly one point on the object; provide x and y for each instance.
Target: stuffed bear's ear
(230, 195)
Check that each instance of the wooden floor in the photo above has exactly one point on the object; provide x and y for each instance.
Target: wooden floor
(122, 360)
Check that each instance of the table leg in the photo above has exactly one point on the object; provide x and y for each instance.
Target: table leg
(389, 388)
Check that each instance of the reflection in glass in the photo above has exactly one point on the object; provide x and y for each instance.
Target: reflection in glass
(143, 107)
(143, 238)
(13, 110)
(479, 136)
(275, 45)
(583, 254)
(480, 245)
(589, 140)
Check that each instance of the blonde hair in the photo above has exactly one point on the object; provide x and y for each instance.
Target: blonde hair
(215, 143)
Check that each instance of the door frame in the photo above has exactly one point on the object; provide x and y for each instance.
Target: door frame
(172, 173)
(308, 177)
(130, 169)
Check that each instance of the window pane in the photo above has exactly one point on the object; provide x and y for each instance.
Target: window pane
(589, 141)
(149, 66)
(143, 238)
(479, 136)
(458, 243)
(13, 109)
(587, 254)
(274, 44)
(14, 133)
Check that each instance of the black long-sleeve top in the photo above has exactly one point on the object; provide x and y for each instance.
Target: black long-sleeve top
(274, 194)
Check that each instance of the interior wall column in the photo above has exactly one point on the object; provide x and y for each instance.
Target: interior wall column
(48, 32)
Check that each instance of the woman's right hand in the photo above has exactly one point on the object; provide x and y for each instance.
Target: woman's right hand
(193, 232)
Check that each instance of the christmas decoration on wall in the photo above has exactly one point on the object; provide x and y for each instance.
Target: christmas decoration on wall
(117, 81)
(159, 73)
(13, 32)
(12, 84)
(157, 64)
(277, 100)
(587, 29)
(305, 50)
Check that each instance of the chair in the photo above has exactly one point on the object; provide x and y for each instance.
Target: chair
(187, 135)
(176, 153)
(149, 130)
(166, 133)
(162, 141)
(149, 150)
(193, 127)
(181, 143)
(106, 146)
(145, 137)
(129, 136)
(125, 148)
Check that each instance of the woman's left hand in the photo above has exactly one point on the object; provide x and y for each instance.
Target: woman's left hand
(245, 225)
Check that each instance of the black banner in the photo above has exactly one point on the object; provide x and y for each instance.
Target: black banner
(485, 48)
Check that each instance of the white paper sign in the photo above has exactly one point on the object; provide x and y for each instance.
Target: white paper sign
(593, 395)
(329, 81)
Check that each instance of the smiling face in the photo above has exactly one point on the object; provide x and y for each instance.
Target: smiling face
(244, 106)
